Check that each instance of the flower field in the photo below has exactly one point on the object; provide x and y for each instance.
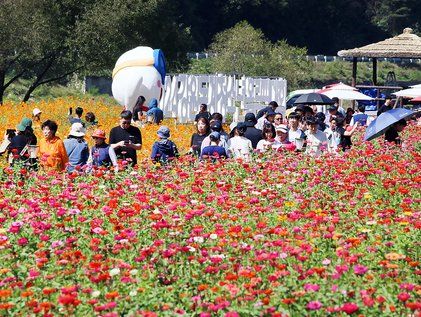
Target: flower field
(283, 235)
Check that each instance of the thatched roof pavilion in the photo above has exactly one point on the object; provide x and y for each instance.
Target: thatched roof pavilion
(405, 45)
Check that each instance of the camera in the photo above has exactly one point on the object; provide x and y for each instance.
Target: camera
(10, 133)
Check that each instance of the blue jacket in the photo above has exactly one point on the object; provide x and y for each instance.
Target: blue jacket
(164, 150)
(77, 151)
(155, 112)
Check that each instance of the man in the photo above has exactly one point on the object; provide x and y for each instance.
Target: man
(252, 133)
(295, 134)
(126, 139)
(333, 113)
(272, 106)
(154, 114)
(203, 113)
(387, 106)
(340, 109)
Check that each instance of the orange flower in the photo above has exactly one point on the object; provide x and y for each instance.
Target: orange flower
(394, 256)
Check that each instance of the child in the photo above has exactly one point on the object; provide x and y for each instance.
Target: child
(214, 150)
(164, 149)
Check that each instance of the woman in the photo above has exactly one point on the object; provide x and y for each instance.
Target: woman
(102, 154)
(349, 114)
(90, 120)
(51, 148)
(202, 131)
(76, 147)
(268, 142)
(239, 146)
(139, 108)
(22, 143)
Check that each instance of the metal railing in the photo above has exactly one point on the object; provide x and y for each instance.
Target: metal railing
(323, 58)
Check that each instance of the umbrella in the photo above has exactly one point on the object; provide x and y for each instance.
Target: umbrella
(345, 94)
(313, 99)
(411, 92)
(416, 86)
(339, 86)
(384, 121)
(416, 100)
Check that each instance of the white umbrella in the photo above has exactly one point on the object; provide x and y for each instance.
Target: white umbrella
(339, 86)
(346, 94)
(416, 86)
(411, 92)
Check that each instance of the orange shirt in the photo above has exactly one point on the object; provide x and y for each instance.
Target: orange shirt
(53, 154)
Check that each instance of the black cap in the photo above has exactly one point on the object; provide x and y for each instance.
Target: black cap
(242, 126)
(216, 126)
(250, 117)
(332, 108)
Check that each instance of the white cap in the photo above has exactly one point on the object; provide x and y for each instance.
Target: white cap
(77, 130)
(36, 112)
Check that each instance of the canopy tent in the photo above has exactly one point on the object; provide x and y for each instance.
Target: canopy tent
(405, 45)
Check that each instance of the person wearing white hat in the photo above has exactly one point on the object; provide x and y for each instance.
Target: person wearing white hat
(36, 118)
(76, 147)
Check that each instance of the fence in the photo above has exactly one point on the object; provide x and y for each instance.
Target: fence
(325, 58)
(226, 94)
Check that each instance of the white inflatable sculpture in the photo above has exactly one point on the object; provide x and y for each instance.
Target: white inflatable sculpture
(138, 72)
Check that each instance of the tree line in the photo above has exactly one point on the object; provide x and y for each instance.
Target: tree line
(47, 40)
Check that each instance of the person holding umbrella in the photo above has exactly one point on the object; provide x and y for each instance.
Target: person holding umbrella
(392, 134)
(390, 122)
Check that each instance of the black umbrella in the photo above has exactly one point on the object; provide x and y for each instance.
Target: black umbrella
(313, 99)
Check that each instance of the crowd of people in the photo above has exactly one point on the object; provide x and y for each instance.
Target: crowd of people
(303, 130)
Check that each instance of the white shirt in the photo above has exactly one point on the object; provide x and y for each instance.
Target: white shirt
(315, 143)
(261, 123)
(240, 147)
(264, 145)
(296, 138)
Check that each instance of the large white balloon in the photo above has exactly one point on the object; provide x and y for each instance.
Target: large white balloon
(134, 75)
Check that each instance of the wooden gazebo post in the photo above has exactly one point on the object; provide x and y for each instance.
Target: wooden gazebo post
(354, 72)
(375, 71)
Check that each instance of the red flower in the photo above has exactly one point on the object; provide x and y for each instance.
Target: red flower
(349, 308)
(403, 297)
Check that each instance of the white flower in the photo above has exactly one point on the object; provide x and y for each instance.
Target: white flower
(213, 236)
(198, 239)
(191, 249)
(133, 272)
(133, 293)
(95, 293)
(114, 271)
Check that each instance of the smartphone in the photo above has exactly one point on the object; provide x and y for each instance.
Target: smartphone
(70, 110)
(126, 142)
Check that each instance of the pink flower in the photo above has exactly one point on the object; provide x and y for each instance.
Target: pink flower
(360, 269)
(314, 305)
(311, 287)
(22, 241)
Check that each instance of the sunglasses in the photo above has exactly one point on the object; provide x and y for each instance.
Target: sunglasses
(278, 118)
(125, 122)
